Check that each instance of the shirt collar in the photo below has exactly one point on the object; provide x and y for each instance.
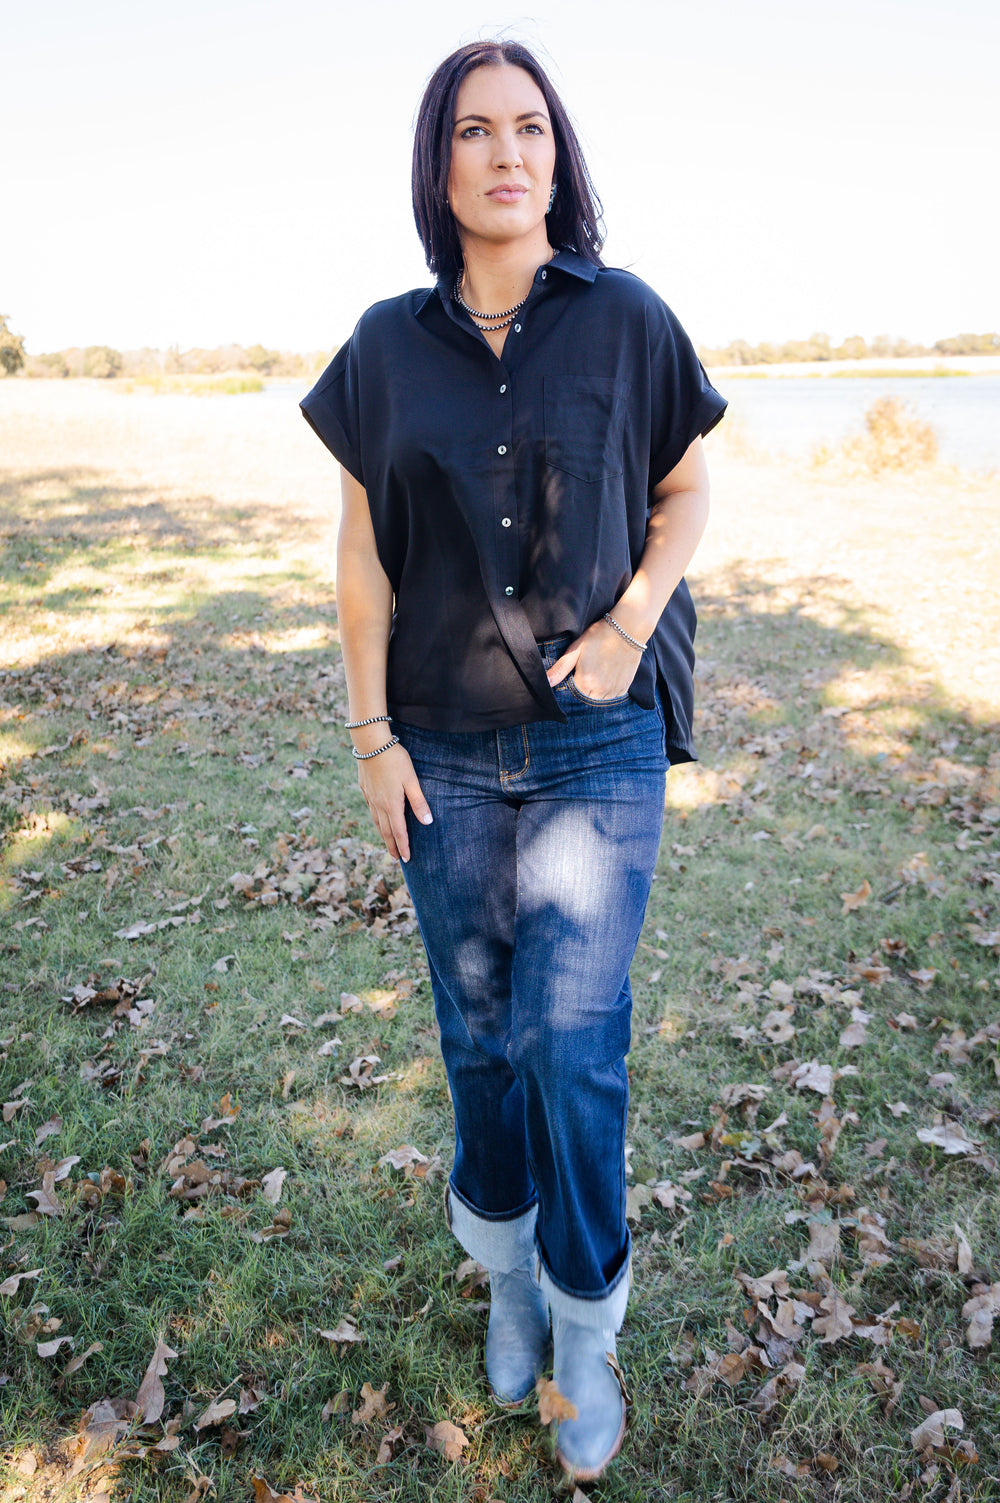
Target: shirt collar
(563, 260)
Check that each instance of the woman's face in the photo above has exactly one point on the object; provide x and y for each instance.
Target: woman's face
(503, 156)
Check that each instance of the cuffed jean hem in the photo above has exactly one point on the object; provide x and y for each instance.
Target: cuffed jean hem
(500, 1244)
(602, 1312)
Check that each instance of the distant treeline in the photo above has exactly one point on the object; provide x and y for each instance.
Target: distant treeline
(821, 347)
(99, 360)
(103, 362)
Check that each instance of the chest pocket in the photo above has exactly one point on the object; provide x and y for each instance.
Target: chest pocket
(584, 424)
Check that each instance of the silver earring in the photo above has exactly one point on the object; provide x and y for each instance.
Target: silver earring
(552, 199)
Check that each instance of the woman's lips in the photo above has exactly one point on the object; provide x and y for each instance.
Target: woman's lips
(509, 195)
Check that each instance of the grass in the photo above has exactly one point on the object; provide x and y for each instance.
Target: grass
(230, 385)
(171, 713)
(860, 371)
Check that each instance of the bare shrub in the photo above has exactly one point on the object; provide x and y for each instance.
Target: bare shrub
(895, 438)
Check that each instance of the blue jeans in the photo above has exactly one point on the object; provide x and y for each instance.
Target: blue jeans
(530, 889)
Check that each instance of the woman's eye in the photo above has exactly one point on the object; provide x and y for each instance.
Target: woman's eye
(535, 129)
(472, 130)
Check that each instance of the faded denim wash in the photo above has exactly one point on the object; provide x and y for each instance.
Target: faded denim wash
(530, 889)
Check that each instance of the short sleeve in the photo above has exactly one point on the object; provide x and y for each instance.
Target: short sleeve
(332, 408)
(684, 403)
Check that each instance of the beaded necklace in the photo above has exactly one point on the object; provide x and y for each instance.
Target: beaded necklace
(491, 322)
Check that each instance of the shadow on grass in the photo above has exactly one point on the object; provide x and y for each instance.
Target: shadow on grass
(771, 654)
(75, 508)
(792, 672)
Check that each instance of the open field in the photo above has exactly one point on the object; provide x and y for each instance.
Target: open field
(225, 1123)
(898, 365)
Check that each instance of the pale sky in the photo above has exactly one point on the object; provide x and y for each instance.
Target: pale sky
(213, 171)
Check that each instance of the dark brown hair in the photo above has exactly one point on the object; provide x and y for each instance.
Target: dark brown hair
(574, 220)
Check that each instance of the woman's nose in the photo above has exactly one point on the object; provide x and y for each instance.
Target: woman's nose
(506, 152)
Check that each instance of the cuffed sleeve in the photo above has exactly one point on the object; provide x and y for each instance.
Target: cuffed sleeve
(684, 403)
(332, 409)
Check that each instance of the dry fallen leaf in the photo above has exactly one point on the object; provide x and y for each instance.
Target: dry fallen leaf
(777, 1025)
(836, 1321)
(263, 1492)
(339, 1405)
(9, 1286)
(447, 1438)
(361, 1072)
(217, 1411)
(388, 1444)
(963, 1251)
(854, 900)
(49, 1348)
(951, 1136)
(47, 1202)
(636, 1196)
(151, 1398)
(931, 1431)
(403, 1157)
(102, 1426)
(856, 1032)
(74, 1365)
(271, 1185)
(344, 1332)
(373, 1405)
(980, 1311)
(812, 1076)
(202, 1486)
(280, 1227)
(553, 1405)
(824, 1242)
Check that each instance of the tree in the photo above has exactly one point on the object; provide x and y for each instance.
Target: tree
(262, 360)
(11, 348)
(99, 360)
(853, 348)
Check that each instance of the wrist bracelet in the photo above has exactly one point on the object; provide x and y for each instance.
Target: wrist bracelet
(363, 756)
(639, 646)
(355, 725)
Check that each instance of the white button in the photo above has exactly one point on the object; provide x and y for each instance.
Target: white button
(502, 449)
(509, 590)
(502, 390)
(517, 328)
(505, 521)
(544, 275)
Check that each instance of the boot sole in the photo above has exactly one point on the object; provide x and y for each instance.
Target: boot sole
(509, 1403)
(591, 1474)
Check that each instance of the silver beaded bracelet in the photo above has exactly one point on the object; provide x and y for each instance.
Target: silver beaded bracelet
(639, 646)
(364, 756)
(355, 725)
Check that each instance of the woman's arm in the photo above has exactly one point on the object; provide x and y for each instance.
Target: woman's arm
(605, 663)
(364, 609)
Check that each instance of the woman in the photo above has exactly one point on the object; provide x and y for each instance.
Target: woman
(523, 487)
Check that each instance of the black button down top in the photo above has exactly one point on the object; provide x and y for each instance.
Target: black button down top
(509, 496)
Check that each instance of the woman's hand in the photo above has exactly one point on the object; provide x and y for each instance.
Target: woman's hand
(603, 664)
(388, 783)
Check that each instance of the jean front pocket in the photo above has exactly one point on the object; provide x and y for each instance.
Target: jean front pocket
(603, 704)
(584, 425)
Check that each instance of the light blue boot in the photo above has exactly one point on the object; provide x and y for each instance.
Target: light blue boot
(586, 1373)
(517, 1336)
